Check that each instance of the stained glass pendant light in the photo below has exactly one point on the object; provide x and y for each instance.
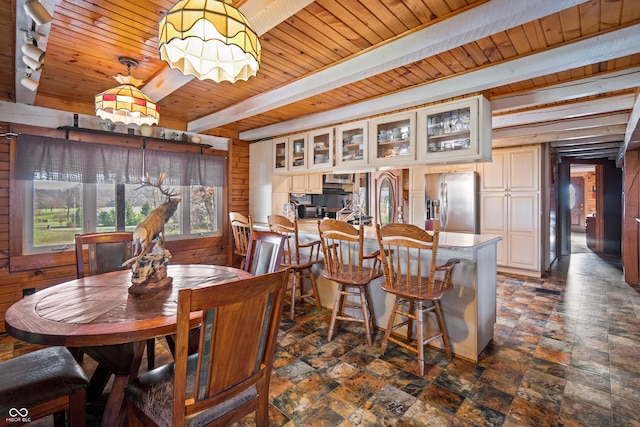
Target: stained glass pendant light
(126, 103)
(209, 39)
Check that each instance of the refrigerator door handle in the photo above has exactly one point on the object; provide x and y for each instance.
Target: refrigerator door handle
(444, 206)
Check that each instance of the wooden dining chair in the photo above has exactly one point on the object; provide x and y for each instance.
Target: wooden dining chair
(344, 264)
(41, 383)
(411, 274)
(241, 228)
(300, 257)
(264, 253)
(98, 253)
(229, 376)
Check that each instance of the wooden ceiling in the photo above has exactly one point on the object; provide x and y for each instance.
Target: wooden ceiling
(564, 72)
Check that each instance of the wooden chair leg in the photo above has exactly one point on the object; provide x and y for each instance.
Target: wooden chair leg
(365, 314)
(372, 316)
(419, 334)
(443, 329)
(410, 320)
(294, 288)
(390, 322)
(314, 287)
(78, 409)
(337, 304)
(151, 353)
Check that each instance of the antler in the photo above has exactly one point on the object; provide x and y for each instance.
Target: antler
(165, 191)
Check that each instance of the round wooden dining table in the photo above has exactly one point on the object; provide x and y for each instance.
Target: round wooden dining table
(99, 315)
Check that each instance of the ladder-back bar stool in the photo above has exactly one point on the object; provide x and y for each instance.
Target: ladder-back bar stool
(344, 264)
(411, 274)
(300, 257)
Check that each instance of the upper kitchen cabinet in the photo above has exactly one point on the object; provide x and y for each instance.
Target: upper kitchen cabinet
(321, 149)
(458, 131)
(298, 153)
(280, 155)
(392, 139)
(351, 144)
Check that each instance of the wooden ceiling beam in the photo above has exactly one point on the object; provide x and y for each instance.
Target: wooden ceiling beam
(456, 31)
(542, 137)
(592, 50)
(564, 111)
(610, 82)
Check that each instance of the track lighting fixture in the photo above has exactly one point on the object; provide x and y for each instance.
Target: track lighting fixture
(37, 12)
(29, 83)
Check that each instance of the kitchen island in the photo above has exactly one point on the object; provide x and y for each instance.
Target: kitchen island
(469, 308)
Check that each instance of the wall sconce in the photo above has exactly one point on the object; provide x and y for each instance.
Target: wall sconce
(29, 83)
(37, 12)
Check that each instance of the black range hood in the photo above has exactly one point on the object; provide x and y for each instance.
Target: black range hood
(328, 188)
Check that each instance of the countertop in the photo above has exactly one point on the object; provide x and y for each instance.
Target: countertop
(448, 240)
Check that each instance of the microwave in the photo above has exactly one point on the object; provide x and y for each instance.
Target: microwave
(339, 178)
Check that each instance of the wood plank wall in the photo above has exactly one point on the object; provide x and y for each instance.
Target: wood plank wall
(213, 250)
(631, 228)
(238, 187)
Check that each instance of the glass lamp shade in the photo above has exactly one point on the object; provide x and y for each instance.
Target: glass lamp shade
(209, 39)
(127, 104)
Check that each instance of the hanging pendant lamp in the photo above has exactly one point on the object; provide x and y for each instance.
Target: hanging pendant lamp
(126, 103)
(209, 39)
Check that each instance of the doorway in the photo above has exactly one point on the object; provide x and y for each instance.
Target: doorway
(583, 205)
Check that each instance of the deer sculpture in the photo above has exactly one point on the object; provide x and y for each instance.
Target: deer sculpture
(152, 227)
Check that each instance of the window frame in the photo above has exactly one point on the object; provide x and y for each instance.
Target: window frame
(20, 261)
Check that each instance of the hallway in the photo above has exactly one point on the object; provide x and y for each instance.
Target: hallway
(566, 351)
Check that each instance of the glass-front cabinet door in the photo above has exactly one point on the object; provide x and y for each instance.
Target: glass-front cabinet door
(280, 159)
(459, 130)
(321, 149)
(393, 139)
(298, 152)
(352, 144)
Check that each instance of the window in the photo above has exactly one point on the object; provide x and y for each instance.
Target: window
(70, 192)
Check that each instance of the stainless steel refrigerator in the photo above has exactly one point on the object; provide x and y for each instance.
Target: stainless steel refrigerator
(457, 199)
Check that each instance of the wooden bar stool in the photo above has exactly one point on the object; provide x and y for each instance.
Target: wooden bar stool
(407, 251)
(241, 228)
(344, 260)
(300, 257)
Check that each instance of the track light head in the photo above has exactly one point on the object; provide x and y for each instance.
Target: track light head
(37, 12)
(29, 83)
(33, 52)
(31, 63)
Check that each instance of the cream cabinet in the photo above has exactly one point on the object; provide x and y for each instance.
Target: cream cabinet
(512, 169)
(320, 149)
(352, 148)
(280, 158)
(306, 184)
(280, 187)
(298, 152)
(392, 139)
(457, 131)
(511, 207)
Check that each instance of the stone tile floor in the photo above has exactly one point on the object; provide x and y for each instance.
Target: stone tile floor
(566, 352)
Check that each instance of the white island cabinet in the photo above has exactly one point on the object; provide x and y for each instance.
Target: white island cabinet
(469, 308)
